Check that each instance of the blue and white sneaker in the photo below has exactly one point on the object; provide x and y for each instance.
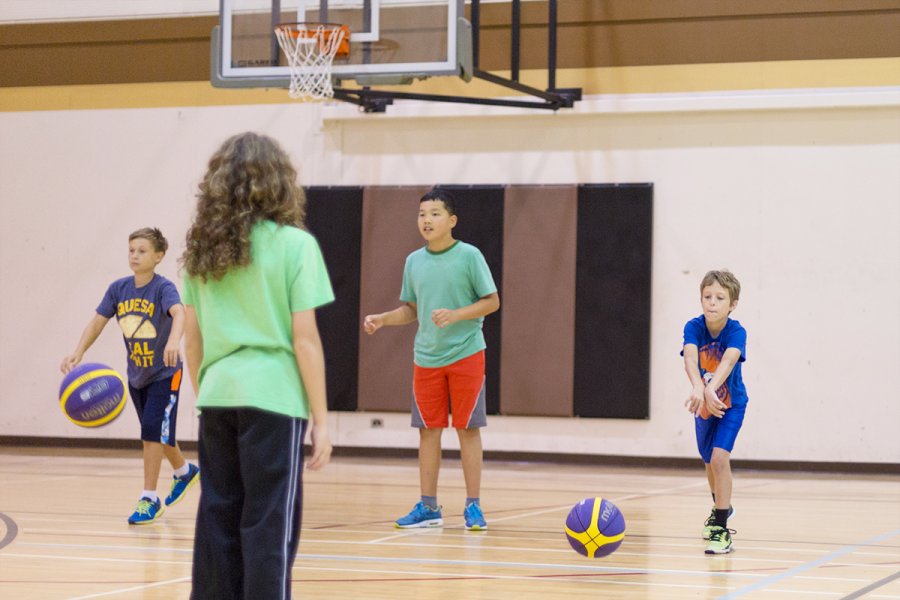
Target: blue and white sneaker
(474, 518)
(420, 516)
(182, 484)
(147, 511)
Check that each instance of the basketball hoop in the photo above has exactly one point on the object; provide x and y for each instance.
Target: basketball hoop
(310, 49)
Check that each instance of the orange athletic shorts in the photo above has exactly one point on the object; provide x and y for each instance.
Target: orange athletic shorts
(456, 389)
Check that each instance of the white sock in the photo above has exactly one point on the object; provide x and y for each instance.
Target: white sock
(184, 470)
(150, 494)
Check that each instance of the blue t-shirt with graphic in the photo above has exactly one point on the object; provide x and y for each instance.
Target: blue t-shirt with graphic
(143, 316)
(733, 335)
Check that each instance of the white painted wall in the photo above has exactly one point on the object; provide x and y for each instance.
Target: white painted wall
(799, 196)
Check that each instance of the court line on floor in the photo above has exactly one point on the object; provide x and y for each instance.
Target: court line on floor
(585, 578)
(60, 546)
(756, 571)
(784, 563)
(96, 559)
(553, 578)
(132, 589)
(12, 530)
(808, 566)
(309, 534)
(598, 569)
(32, 480)
(873, 586)
(581, 572)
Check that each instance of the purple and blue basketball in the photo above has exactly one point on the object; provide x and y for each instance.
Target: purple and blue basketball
(92, 395)
(595, 527)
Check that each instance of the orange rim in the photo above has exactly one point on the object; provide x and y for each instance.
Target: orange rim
(309, 30)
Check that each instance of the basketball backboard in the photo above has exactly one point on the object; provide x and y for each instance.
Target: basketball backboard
(391, 41)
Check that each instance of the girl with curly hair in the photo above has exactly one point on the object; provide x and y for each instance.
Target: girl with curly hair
(253, 279)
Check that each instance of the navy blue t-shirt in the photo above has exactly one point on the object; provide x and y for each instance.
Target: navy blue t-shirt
(733, 335)
(143, 316)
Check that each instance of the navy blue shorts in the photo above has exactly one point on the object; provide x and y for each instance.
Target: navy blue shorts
(718, 433)
(157, 408)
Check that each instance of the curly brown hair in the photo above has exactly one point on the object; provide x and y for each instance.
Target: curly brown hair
(249, 179)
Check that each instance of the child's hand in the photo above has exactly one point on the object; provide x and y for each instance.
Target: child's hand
(443, 317)
(695, 400)
(321, 448)
(171, 355)
(715, 406)
(69, 362)
(373, 323)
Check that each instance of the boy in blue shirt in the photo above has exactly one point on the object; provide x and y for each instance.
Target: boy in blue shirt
(448, 288)
(714, 348)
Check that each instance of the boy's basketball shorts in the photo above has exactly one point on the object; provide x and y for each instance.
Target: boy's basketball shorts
(157, 408)
(457, 388)
(718, 432)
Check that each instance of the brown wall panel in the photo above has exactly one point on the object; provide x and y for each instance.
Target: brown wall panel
(538, 339)
(102, 52)
(660, 32)
(389, 234)
(592, 33)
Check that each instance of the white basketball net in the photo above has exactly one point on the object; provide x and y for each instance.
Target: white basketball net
(310, 50)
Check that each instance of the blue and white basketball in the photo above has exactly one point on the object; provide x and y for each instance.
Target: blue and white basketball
(92, 395)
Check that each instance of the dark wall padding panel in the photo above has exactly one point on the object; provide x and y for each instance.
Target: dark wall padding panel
(612, 301)
(389, 234)
(538, 300)
(334, 216)
(573, 268)
(480, 223)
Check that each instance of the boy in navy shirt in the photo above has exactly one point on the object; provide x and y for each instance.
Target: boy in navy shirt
(149, 312)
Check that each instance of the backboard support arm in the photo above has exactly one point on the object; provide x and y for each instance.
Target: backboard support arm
(552, 98)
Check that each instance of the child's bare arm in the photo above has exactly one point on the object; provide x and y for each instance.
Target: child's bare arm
(484, 306)
(311, 363)
(88, 337)
(193, 346)
(173, 344)
(401, 315)
(691, 358)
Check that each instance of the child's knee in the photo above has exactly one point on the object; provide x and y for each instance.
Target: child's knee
(430, 432)
(721, 460)
(470, 435)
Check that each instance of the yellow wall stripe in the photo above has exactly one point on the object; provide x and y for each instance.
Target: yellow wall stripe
(842, 73)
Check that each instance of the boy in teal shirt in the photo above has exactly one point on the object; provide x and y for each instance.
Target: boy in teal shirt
(448, 288)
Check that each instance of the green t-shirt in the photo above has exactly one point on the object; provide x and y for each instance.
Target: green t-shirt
(456, 277)
(245, 319)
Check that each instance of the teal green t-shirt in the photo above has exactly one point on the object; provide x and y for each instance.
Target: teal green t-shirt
(456, 277)
(245, 320)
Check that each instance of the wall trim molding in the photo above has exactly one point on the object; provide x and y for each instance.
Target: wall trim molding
(655, 462)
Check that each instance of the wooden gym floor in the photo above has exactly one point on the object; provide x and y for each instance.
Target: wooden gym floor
(63, 534)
